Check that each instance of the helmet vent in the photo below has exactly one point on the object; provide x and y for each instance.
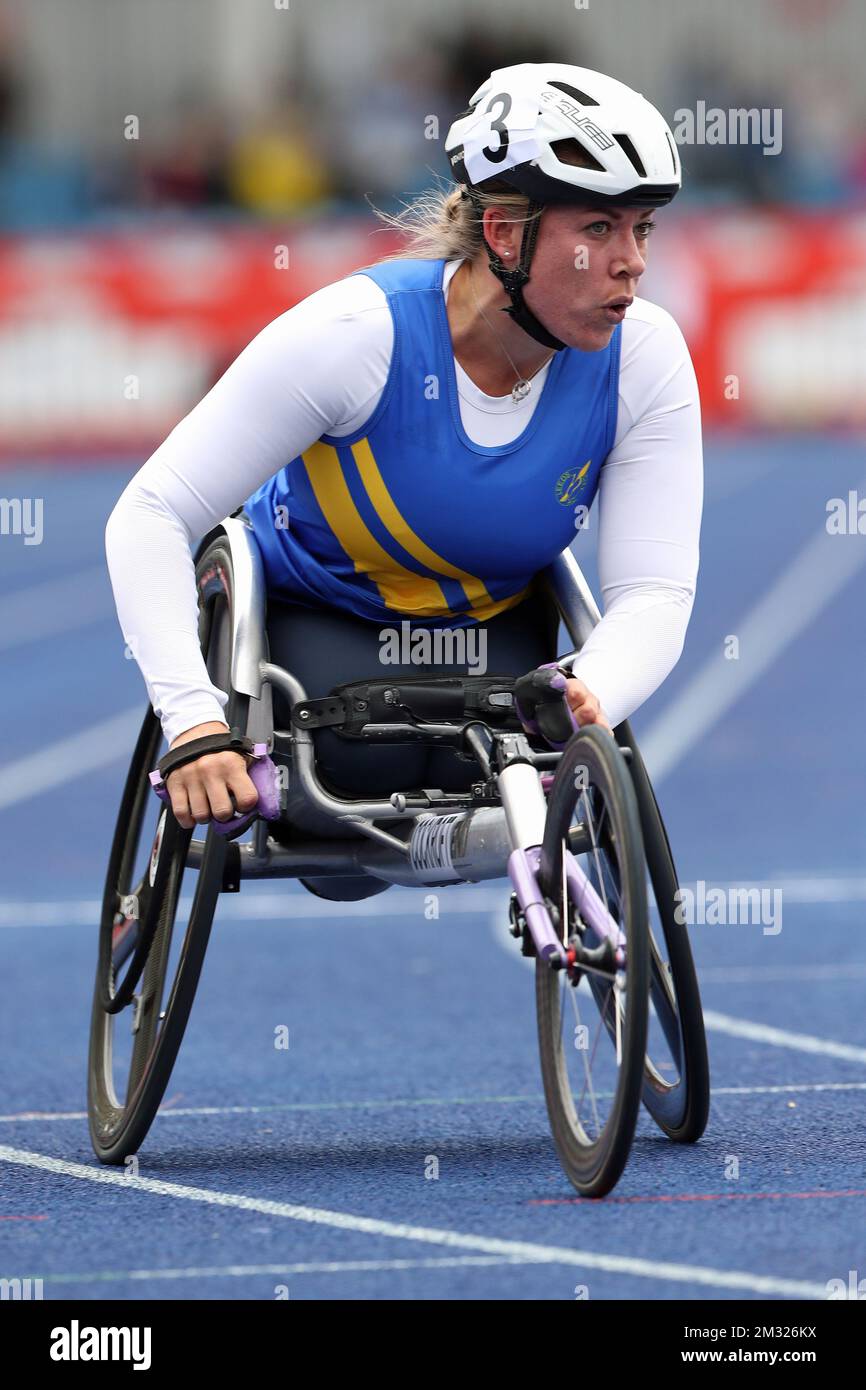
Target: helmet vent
(673, 154)
(574, 92)
(571, 151)
(632, 153)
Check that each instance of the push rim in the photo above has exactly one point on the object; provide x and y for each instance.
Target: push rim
(134, 1047)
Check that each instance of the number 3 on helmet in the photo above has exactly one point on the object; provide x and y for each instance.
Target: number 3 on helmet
(518, 115)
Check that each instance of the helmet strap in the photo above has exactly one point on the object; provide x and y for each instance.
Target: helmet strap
(514, 279)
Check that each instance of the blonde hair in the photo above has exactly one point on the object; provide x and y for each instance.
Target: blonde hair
(442, 224)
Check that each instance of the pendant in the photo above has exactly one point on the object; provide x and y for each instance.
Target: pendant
(520, 390)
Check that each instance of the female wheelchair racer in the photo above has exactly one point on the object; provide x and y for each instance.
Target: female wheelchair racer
(461, 777)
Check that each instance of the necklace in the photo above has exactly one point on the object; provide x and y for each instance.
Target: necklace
(522, 387)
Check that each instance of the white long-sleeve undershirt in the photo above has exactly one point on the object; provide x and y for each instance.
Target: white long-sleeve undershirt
(320, 368)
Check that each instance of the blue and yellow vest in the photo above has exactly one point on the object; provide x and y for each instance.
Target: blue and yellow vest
(407, 517)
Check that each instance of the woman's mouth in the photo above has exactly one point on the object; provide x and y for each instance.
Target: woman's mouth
(615, 309)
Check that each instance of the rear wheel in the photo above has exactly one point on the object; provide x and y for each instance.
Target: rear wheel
(592, 1020)
(153, 937)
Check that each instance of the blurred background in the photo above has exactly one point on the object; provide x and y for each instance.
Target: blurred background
(153, 155)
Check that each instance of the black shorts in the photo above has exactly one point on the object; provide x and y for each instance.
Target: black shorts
(323, 648)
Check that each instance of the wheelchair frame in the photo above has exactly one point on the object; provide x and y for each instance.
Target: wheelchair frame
(371, 850)
(514, 823)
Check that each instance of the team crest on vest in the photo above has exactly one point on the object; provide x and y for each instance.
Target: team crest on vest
(569, 483)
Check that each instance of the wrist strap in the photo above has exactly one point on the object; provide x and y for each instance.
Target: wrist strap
(225, 742)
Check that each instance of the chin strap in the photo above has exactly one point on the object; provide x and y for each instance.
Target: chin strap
(514, 280)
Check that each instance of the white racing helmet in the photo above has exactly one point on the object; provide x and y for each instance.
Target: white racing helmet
(509, 136)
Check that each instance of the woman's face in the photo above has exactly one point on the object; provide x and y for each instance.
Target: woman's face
(584, 259)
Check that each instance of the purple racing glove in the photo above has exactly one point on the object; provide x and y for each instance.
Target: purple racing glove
(263, 773)
(542, 707)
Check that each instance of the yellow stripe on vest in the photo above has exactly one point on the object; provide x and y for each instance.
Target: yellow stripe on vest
(485, 611)
(401, 589)
(393, 519)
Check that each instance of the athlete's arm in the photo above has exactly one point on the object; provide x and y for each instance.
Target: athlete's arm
(649, 512)
(309, 372)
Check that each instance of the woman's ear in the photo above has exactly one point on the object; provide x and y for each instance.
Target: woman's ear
(497, 227)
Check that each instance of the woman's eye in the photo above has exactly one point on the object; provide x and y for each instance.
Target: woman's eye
(642, 229)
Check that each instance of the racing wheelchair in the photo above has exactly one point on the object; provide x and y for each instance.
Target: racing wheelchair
(573, 823)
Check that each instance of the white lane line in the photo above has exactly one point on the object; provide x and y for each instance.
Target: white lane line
(292, 904)
(779, 974)
(252, 905)
(115, 1276)
(55, 607)
(784, 1090)
(55, 763)
(814, 889)
(428, 1235)
(822, 568)
(83, 912)
(208, 1111)
(288, 1106)
(780, 1037)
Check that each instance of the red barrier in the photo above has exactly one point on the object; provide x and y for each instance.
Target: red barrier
(778, 330)
(106, 340)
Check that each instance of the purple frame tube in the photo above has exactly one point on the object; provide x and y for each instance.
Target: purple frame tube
(523, 866)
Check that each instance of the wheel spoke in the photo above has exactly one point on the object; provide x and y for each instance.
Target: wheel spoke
(602, 1027)
(586, 1066)
(597, 862)
(594, 822)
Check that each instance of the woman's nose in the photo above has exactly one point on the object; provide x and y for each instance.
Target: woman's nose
(630, 256)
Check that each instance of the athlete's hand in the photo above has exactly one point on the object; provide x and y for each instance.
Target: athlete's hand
(585, 706)
(212, 786)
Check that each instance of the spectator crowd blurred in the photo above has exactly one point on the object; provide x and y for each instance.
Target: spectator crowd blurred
(379, 135)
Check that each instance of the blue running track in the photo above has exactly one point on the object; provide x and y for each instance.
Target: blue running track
(308, 1170)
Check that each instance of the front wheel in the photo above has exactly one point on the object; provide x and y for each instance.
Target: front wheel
(676, 1072)
(592, 1020)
